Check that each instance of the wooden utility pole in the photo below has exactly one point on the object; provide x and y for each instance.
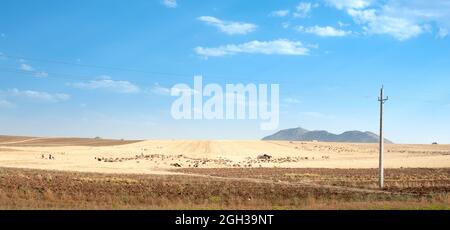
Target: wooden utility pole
(382, 100)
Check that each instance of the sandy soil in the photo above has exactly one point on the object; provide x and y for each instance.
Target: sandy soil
(157, 157)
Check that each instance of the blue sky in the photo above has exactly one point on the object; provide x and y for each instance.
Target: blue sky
(102, 68)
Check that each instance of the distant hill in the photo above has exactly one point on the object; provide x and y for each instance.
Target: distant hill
(300, 134)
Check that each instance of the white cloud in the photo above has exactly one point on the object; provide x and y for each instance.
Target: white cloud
(31, 69)
(165, 91)
(279, 47)
(3, 35)
(280, 13)
(228, 27)
(341, 24)
(303, 9)
(170, 3)
(443, 32)
(352, 4)
(326, 31)
(35, 95)
(41, 74)
(422, 13)
(375, 23)
(26, 67)
(291, 100)
(401, 19)
(106, 83)
(160, 90)
(5, 104)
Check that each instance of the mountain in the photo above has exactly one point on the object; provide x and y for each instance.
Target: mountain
(300, 134)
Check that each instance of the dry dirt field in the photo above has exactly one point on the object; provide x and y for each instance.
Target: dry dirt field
(156, 157)
(111, 174)
(226, 189)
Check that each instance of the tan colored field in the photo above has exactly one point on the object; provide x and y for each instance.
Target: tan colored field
(157, 157)
(116, 174)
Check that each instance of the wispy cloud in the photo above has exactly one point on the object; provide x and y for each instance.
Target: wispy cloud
(165, 91)
(303, 9)
(35, 95)
(170, 3)
(160, 90)
(291, 100)
(26, 67)
(279, 13)
(5, 104)
(353, 4)
(401, 19)
(341, 24)
(41, 74)
(228, 27)
(376, 23)
(326, 31)
(275, 47)
(106, 83)
(443, 32)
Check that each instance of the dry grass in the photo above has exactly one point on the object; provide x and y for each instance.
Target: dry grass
(419, 181)
(39, 189)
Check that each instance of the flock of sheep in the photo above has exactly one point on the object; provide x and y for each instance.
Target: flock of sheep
(180, 160)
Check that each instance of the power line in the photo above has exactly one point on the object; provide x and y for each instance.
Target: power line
(72, 77)
(146, 74)
(54, 75)
(124, 69)
(128, 69)
(16, 57)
